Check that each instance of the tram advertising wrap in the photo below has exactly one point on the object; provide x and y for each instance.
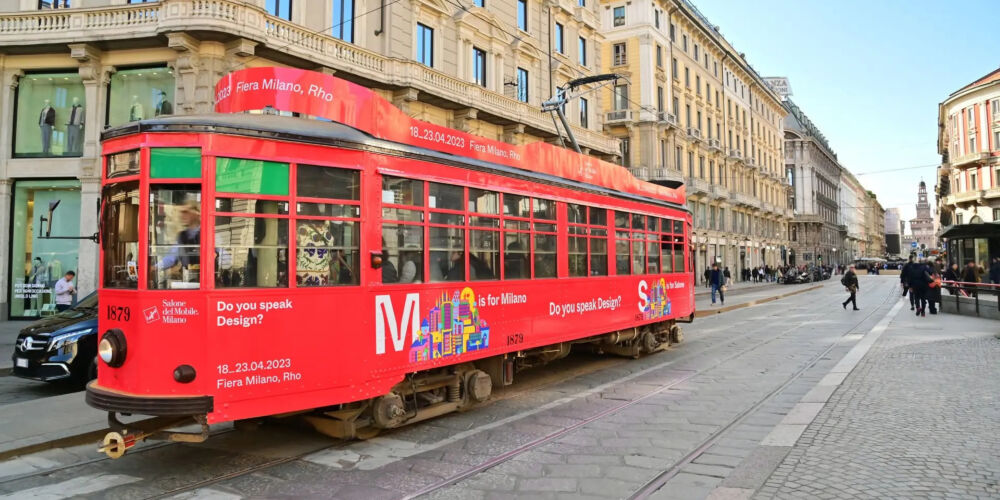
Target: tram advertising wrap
(361, 274)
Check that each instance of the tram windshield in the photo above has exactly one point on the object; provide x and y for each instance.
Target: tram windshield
(120, 234)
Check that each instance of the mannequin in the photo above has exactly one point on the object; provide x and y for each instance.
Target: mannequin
(135, 112)
(46, 120)
(163, 107)
(74, 128)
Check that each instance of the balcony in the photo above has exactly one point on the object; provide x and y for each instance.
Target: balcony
(640, 172)
(618, 116)
(667, 118)
(767, 207)
(713, 144)
(720, 191)
(969, 159)
(698, 187)
(745, 200)
(236, 19)
(666, 174)
(694, 134)
(975, 195)
(751, 162)
(735, 154)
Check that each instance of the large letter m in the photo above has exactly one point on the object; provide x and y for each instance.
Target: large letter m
(384, 311)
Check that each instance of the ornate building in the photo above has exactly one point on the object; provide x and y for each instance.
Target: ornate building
(68, 72)
(694, 110)
(922, 227)
(814, 172)
(969, 143)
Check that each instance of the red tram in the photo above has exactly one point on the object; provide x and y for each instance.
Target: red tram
(366, 272)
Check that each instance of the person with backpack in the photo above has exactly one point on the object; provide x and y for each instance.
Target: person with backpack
(717, 281)
(850, 281)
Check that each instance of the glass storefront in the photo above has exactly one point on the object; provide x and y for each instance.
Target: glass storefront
(137, 94)
(50, 115)
(37, 263)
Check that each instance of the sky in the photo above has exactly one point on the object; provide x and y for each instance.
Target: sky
(870, 74)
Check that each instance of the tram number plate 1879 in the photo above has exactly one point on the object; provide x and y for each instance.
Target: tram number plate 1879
(119, 313)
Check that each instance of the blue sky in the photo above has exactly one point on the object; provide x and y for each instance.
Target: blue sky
(869, 74)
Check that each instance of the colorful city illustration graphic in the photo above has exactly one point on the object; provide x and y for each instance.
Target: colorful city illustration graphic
(452, 327)
(658, 305)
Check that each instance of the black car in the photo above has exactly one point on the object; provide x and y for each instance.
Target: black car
(60, 347)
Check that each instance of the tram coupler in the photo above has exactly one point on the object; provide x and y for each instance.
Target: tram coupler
(123, 436)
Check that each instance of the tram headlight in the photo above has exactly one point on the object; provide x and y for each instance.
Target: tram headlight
(112, 348)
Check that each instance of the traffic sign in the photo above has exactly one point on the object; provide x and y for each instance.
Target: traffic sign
(913, 244)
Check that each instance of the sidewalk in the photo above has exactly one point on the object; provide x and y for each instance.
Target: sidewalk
(910, 412)
(734, 287)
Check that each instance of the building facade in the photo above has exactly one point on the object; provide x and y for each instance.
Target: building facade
(693, 110)
(814, 172)
(67, 73)
(894, 229)
(852, 219)
(874, 239)
(968, 188)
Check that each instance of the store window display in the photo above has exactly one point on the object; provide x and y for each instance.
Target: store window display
(138, 94)
(38, 262)
(50, 115)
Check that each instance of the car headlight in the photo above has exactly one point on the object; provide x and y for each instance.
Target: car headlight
(112, 348)
(55, 343)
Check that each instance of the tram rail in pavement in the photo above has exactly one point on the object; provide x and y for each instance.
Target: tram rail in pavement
(66, 420)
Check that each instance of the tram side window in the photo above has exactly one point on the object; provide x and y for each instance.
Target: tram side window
(403, 231)
(588, 240)
(622, 258)
(120, 234)
(544, 237)
(678, 246)
(666, 246)
(251, 250)
(327, 236)
(484, 235)
(174, 237)
(652, 246)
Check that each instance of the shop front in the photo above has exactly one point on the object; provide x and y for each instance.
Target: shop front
(50, 115)
(37, 262)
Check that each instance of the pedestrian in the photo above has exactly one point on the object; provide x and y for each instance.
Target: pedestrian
(64, 291)
(933, 288)
(919, 278)
(903, 273)
(708, 274)
(952, 274)
(995, 271)
(850, 281)
(971, 273)
(729, 277)
(716, 278)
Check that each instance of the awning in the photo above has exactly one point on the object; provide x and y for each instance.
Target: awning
(964, 231)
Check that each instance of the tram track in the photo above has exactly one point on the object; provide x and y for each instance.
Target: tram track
(507, 394)
(593, 366)
(548, 438)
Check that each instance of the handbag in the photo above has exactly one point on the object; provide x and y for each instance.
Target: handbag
(723, 288)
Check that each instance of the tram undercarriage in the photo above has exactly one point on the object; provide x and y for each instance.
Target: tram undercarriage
(421, 396)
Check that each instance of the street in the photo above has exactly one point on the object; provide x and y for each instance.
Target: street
(788, 398)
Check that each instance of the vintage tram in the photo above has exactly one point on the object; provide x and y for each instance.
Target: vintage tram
(364, 269)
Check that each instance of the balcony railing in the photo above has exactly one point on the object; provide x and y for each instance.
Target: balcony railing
(696, 186)
(238, 19)
(694, 133)
(667, 118)
(751, 162)
(720, 191)
(640, 172)
(666, 174)
(736, 154)
(714, 144)
(618, 115)
(967, 160)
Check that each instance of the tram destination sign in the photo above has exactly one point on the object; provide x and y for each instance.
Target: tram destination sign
(318, 94)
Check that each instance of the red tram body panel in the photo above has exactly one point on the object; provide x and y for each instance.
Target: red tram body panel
(276, 293)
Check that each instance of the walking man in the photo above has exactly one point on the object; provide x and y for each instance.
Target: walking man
(850, 280)
(716, 279)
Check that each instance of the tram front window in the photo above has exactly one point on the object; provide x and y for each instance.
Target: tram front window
(174, 237)
(120, 234)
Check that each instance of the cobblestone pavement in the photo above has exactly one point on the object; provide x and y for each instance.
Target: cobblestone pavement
(917, 418)
(699, 411)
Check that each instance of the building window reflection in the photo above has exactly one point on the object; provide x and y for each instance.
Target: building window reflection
(50, 115)
(140, 93)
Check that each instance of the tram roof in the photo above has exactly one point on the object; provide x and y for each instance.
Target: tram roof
(339, 135)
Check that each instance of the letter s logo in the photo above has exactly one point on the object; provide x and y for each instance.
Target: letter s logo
(384, 311)
(643, 298)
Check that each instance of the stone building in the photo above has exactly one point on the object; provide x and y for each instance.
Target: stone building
(968, 179)
(922, 226)
(68, 70)
(814, 173)
(694, 110)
